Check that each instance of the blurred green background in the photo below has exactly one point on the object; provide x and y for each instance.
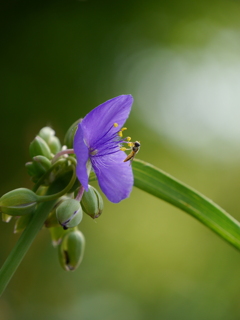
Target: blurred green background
(180, 60)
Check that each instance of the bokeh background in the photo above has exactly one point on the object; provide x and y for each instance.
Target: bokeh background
(180, 60)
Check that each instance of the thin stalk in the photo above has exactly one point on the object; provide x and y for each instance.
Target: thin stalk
(17, 254)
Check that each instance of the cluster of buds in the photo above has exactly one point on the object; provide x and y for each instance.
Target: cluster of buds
(51, 165)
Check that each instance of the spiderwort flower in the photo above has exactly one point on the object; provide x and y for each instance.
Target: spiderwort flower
(97, 143)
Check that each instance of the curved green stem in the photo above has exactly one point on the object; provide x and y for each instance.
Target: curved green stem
(14, 259)
(62, 192)
(54, 165)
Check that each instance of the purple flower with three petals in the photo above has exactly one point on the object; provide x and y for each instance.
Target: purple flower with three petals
(97, 144)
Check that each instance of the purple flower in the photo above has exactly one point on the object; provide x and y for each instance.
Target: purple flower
(97, 142)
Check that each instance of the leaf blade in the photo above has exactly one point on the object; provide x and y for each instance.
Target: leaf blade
(160, 184)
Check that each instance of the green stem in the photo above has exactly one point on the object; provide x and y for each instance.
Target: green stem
(54, 165)
(62, 192)
(14, 259)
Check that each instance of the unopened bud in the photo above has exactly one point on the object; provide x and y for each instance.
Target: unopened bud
(48, 135)
(69, 213)
(71, 250)
(68, 139)
(54, 145)
(39, 147)
(52, 220)
(92, 202)
(31, 170)
(42, 164)
(18, 202)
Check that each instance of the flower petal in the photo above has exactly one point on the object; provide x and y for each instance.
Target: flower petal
(82, 155)
(115, 177)
(99, 122)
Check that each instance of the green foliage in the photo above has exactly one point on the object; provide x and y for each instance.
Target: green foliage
(165, 187)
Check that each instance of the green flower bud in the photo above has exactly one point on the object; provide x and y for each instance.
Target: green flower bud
(38, 167)
(92, 202)
(39, 147)
(68, 140)
(22, 222)
(54, 145)
(41, 164)
(18, 202)
(71, 250)
(48, 135)
(69, 213)
(52, 220)
(31, 170)
(56, 235)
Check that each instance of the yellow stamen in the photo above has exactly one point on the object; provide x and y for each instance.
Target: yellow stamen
(128, 138)
(123, 129)
(115, 124)
(130, 144)
(120, 134)
(123, 149)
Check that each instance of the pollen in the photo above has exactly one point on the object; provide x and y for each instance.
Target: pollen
(128, 138)
(124, 128)
(130, 144)
(115, 124)
(120, 134)
(123, 149)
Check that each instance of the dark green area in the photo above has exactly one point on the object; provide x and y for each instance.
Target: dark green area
(144, 258)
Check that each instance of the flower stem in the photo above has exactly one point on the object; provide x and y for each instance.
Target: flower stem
(61, 153)
(14, 259)
(62, 192)
(80, 194)
(41, 180)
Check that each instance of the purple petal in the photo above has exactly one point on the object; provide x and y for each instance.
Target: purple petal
(115, 177)
(99, 122)
(82, 155)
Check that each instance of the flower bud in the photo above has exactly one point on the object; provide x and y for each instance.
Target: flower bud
(71, 250)
(41, 164)
(18, 202)
(38, 167)
(48, 135)
(92, 202)
(22, 222)
(52, 220)
(69, 213)
(68, 139)
(54, 145)
(31, 170)
(39, 147)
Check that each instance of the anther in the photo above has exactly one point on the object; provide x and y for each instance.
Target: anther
(120, 134)
(115, 124)
(123, 149)
(128, 138)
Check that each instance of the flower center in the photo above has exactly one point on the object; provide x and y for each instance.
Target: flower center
(126, 140)
(112, 143)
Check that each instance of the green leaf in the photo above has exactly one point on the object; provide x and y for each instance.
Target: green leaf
(165, 187)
